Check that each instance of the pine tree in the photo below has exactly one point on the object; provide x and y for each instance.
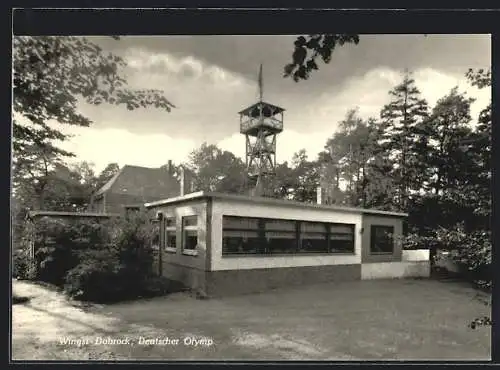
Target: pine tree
(400, 117)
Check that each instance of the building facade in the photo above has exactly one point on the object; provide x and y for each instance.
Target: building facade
(230, 244)
(133, 186)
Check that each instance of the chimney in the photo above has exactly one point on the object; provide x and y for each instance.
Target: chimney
(170, 167)
(182, 180)
(319, 195)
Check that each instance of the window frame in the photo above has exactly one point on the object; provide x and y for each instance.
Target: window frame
(168, 229)
(372, 240)
(184, 229)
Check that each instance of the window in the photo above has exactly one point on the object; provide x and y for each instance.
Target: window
(382, 239)
(189, 235)
(313, 237)
(170, 234)
(341, 238)
(240, 235)
(247, 235)
(281, 236)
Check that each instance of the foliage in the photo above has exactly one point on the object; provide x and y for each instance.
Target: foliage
(59, 241)
(353, 156)
(106, 174)
(51, 75)
(116, 270)
(309, 48)
(481, 321)
(21, 265)
(97, 260)
(401, 136)
(217, 170)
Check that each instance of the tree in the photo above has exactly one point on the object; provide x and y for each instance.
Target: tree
(217, 170)
(106, 174)
(442, 153)
(31, 172)
(401, 117)
(353, 156)
(454, 212)
(306, 177)
(283, 181)
(50, 76)
(309, 48)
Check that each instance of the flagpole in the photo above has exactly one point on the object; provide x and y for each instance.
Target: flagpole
(261, 84)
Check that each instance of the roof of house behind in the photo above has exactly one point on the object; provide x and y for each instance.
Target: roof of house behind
(142, 181)
(270, 201)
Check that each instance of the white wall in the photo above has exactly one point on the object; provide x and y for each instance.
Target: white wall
(389, 270)
(192, 208)
(246, 209)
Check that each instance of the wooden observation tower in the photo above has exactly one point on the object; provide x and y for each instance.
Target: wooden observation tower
(260, 123)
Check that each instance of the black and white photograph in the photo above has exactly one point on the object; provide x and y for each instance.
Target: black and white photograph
(298, 197)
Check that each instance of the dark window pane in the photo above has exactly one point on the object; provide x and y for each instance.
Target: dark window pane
(382, 239)
(190, 220)
(241, 223)
(314, 242)
(282, 225)
(171, 239)
(170, 222)
(313, 237)
(190, 239)
(313, 227)
(281, 242)
(240, 242)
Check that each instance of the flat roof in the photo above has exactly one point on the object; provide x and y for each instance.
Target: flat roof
(32, 214)
(269, 201)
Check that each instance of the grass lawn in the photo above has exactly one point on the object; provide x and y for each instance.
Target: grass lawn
(362, 320)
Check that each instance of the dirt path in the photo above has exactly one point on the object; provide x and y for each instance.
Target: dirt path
(334, 321)
(40, 327)
(50, 327)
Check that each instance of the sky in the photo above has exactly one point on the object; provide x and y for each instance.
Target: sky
(211, 78)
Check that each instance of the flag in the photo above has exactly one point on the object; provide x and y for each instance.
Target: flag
(261, 83)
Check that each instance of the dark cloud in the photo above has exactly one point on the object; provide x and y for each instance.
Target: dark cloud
(209, 110)
(243, 54)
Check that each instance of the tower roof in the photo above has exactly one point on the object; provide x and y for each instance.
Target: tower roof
(268, 110)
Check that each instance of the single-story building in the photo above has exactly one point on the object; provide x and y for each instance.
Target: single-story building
(230, 244)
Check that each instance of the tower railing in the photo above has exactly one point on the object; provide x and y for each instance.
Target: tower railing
(253, 123)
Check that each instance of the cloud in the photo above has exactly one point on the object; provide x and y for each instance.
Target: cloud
(209, 112)
(104, 146)
(168, 66)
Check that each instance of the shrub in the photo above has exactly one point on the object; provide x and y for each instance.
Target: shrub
(22, 266)
(119, 269)
(100, 261)
(58, 243)
(96, 279)
(471, 251)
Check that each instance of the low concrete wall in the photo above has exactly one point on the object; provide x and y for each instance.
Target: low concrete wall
(416, 255)
(391, 270)
(189, 277)
(234, 282)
